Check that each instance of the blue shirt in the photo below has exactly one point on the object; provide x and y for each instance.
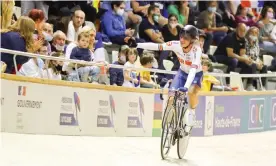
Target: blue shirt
(81, 54)
(113, 25)
(116, 75)
(13, 41)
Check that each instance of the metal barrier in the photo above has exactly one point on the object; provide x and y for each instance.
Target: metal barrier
(16, 53)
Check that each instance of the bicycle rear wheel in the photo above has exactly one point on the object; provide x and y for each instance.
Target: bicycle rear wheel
(167, 133)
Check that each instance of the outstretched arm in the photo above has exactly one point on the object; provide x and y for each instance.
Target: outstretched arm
(169, 46)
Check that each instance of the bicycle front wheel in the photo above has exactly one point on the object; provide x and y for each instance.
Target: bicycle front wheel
(167, 133)
(182, 145)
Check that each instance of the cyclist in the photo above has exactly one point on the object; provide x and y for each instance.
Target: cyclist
(189, 77)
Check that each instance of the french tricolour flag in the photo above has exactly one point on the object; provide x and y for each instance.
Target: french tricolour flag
(22, 90)
(258, 5)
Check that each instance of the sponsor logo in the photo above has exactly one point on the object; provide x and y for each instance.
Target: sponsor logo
(273, 112)
(256, 113)
(136, 113)
(70, 109)
(106, 113)
(22, 90)
(27, 103)
(225, 121)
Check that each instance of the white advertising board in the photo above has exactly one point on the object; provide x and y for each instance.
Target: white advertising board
(48, 109)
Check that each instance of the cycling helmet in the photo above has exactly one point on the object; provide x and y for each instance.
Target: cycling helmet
(190, 30)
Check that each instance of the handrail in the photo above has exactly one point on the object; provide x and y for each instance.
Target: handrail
(17, 53)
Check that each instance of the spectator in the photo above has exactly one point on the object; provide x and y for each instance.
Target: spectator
(141, 8)
(114, 25)
(231, 52)
(147, 61)
(207, 22)
(149, 29)
(6, 13)
(266, 24)
(272, 67)
(132, 20)
(241, 16)
(253, 51)
(208, 80)
(82, 52)
(34, 67)
(47, 31)
(201, 40)
(193, 12)
(27, 6)
(69, 68)
(130, 75)
(117, 75)
(181, 10)
(58, 42)
(75, 25)
(54, 69)
(39, 19)
(171, 31)
(18, 37)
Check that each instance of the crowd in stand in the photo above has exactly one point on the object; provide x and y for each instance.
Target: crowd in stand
(81, 30)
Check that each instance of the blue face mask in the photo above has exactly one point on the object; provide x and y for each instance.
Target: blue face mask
(192, 4)
(155, 18)
(212, 9)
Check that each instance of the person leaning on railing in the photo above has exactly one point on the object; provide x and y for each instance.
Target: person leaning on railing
(18, 37)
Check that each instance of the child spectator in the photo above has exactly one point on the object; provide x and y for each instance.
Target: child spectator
(82, 52)
(147, 61)
(117, 75)
(130, 76)
(54, 68)
(208, 80)
(33, 68)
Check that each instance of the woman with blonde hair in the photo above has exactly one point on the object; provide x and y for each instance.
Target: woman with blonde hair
(53, 72)
(18, 37)
(7, 12)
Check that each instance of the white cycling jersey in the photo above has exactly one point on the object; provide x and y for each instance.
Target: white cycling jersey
(190, 62)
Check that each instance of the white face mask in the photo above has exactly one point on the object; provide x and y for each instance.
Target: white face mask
(120, 12)
(59, 47)
(253, 38)
(123, 59)
(173, 25)
(47, 36)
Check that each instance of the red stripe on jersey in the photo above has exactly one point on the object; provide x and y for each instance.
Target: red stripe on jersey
(194, 66)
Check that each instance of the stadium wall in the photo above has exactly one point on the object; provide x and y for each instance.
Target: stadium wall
(40, 106)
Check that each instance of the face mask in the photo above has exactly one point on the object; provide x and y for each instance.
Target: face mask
(59, 68)
(47, 36)
(270, 15)
(173, 25)
(155, 18)
(59, 48)
(212, 9)
(192, 4)
(120, 12)
(123, 59)
(253, 38)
